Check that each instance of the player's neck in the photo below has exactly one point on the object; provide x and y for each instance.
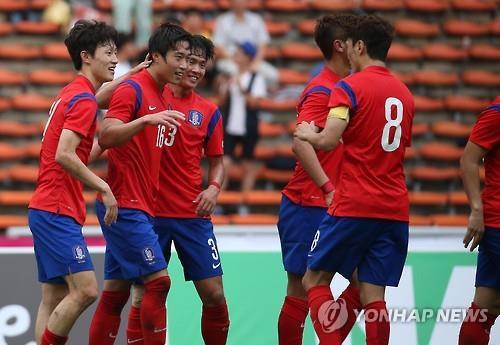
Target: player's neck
(338, 66)
(371, 62)
(87, 74)
(180, 92)
(156, 77)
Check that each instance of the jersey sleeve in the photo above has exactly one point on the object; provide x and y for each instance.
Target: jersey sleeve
(80, 114)
(122, 104)
(215, 136)
(343, 95)
(486, 131)
(314, 106)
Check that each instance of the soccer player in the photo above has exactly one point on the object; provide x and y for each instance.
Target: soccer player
(183, 207)
(57, 210)
(133, 131)
(310, 191)
(484, 224)
(367, 225)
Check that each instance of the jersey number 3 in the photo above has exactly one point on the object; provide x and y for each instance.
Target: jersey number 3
(387, 145)
(160, 136)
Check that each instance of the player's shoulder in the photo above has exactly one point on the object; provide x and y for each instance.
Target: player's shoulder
(76, 91)
(492, 110)
(323, 82)
(204, 104)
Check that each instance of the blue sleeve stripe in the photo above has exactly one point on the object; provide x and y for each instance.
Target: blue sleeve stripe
(344, 86)
(138, 93)
(211, 125)
(78, 97)
(494, 107)
(315, 89)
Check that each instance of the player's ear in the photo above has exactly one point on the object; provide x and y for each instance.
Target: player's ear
(85, 56)
(339, 46)
(155, 57)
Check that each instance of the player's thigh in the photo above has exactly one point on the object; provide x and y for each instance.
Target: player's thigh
(132, 243)
(340, 244)
(371, 293)
(488, 260)
(384, 259)
(196, 246)
(53, 294)
(210, 290)
(164, 231)
(488, 298)
(314, 278)
(83, 284)
(296, 228)
(60, 247)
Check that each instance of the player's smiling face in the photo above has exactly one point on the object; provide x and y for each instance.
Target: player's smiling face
(103, 63)
(174, 65)
(197, 65)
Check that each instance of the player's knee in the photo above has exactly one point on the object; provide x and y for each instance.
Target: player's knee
(213, 297)
(86, 295)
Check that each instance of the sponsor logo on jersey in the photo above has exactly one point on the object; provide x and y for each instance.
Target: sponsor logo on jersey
(195, 118)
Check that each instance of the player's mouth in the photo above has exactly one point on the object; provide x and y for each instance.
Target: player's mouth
(112, 69)
(179, 74)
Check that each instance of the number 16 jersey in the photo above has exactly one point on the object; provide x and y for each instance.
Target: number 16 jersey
(372, 182)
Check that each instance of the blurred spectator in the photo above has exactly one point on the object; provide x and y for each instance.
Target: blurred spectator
(143, 12)
(237, 26)
(239, 95)
(58, 12)
(194, 23)
(84, 9)
(126, 53)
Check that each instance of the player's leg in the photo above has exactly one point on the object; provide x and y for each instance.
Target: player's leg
(82, 293)
(485, 307)
(382, 266)
(198, 253)
(296, 227)
(215, 316)
(134, 328)
(52, 295)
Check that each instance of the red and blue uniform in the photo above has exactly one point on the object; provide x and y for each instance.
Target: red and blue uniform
(181, 182)
(132, 248)
(303, 204)
(57, 209)
(486, 134)
(367, 225)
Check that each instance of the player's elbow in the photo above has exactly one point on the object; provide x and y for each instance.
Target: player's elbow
(105, 140)
(63, 158)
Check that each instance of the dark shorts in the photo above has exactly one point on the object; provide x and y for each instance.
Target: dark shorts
(488, 259)
(248, 143)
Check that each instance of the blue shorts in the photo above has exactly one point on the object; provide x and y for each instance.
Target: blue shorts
(296, 226)
(195, 244)
(488, 259)
(376, 247)
(60, 248)
(132, 248)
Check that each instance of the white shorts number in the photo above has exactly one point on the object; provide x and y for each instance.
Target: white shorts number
(215, 253)
(315, 240)
(389, 103)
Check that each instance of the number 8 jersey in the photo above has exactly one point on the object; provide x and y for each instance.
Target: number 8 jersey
(372, 182)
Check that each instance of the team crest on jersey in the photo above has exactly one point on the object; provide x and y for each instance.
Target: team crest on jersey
(149, 254)
(79, 253)
(195, 118)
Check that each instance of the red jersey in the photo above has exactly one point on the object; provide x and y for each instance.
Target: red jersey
(133, 168)
(181, 175)
(75, 108)
(313, 106)
(486, 133)
(372, 180)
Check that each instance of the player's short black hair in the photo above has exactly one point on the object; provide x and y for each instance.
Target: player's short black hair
(123, 39)
(202, 46)
(330, 28)
(377, 34)
(166, 38)
(87, 35)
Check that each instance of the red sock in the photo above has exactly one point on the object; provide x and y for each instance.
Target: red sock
(134, 330)
(49, 338)
(291, 321)
(377, 323)
(106, 320)
(475, 329)
(325, 315)
(154, 311)
(353, 304)
(215, 324)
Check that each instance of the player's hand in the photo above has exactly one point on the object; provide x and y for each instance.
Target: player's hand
(329, 198)
(109, 201)
(169, 118)
(145, 64)
(475, 230)
(206, 201)
(305, 130)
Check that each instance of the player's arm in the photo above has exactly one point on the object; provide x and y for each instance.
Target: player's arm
(329, 137)
(66, 157)
(103, 95)
(96, 151)
(115, 132)
(469, 166)
(207, 199)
